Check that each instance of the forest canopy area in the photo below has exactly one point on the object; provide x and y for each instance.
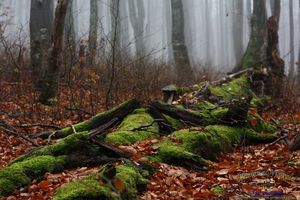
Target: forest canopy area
(149, 99)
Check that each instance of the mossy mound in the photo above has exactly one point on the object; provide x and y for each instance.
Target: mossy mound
(237, 87)
(197, 145)
(22, 173)
(125, 134)
(88, 188)
(112, 183)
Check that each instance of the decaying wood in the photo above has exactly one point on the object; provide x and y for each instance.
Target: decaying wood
(231, 76)
(119, 112)
(178, 113)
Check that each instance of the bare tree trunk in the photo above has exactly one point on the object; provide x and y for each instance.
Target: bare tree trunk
(277, 9)
(182, 63)
(292, 40)
(41, 17)
(256, 50)
(93, 34)
(51, 82)
(137, 18)
(115, 47)
(238, 29)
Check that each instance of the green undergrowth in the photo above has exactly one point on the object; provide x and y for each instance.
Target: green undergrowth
(111, 183)
(197, 145)
(124, 133)
(21, 173)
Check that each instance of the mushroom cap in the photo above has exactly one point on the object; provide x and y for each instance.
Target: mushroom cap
(169, 88)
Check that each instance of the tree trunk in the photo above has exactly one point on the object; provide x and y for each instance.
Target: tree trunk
(238, 30)
(93, 34)
(41, 17)
(51, 81)
(182, 63)
(255, 54)
(137, 18)
(292, 40)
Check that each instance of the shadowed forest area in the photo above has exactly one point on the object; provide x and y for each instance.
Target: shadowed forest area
(149, 99)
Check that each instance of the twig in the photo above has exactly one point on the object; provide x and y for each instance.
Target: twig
(16, 133)
(73, 129)
(279, 139)
(50, 137)
(41, 125)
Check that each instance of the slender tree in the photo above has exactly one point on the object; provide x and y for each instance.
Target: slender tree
(238, 27)
(292, 40)
(93, 31)
(137, 18)
(182, 62)
(51, 81)
(41, 18)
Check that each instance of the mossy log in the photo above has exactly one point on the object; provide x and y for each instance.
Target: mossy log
(111, 183)
(120, 112)
(192, 147)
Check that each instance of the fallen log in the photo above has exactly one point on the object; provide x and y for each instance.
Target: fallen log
(120, 112)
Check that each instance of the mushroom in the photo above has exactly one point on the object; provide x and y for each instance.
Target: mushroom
(169, 93)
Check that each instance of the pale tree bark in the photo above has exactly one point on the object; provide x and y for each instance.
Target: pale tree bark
(93, 34)
(137, 18)
(238, 29)
(182, 63)
(298, 66)
(41, 18)
(50, 83)
(292, 40)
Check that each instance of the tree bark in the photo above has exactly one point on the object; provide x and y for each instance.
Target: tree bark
(51, 82)
(41, 17)
(238, 30)
(93, 34)
(292, 40)
(182, 63)
(137, 18)
(255, 54)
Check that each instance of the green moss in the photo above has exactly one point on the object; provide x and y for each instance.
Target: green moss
(132, 179)
(93, 122)
(90, 188)
(64, 147)
(174, 122)
(259, 124)
(252, 137)
(217, 190)
(124, 135)
(238, 86)
(194, 145)
(209, 113)
(83, 189)
(21, 173)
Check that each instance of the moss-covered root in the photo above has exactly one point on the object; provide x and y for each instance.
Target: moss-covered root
(196, 145)
(121, 182)
(125, 134)
(20, 174)
(120, 111)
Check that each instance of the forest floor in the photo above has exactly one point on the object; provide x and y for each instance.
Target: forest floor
(220, 181)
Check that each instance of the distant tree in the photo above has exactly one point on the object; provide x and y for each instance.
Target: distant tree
(50, 82)
(93, 33)
(255, 53)
(182, 63)
(238, 29)
(137, 18)
(41, 19)
(115, 23)
(70, 36)
(292, 40)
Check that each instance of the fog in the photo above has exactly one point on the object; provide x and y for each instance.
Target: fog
(209, 28)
